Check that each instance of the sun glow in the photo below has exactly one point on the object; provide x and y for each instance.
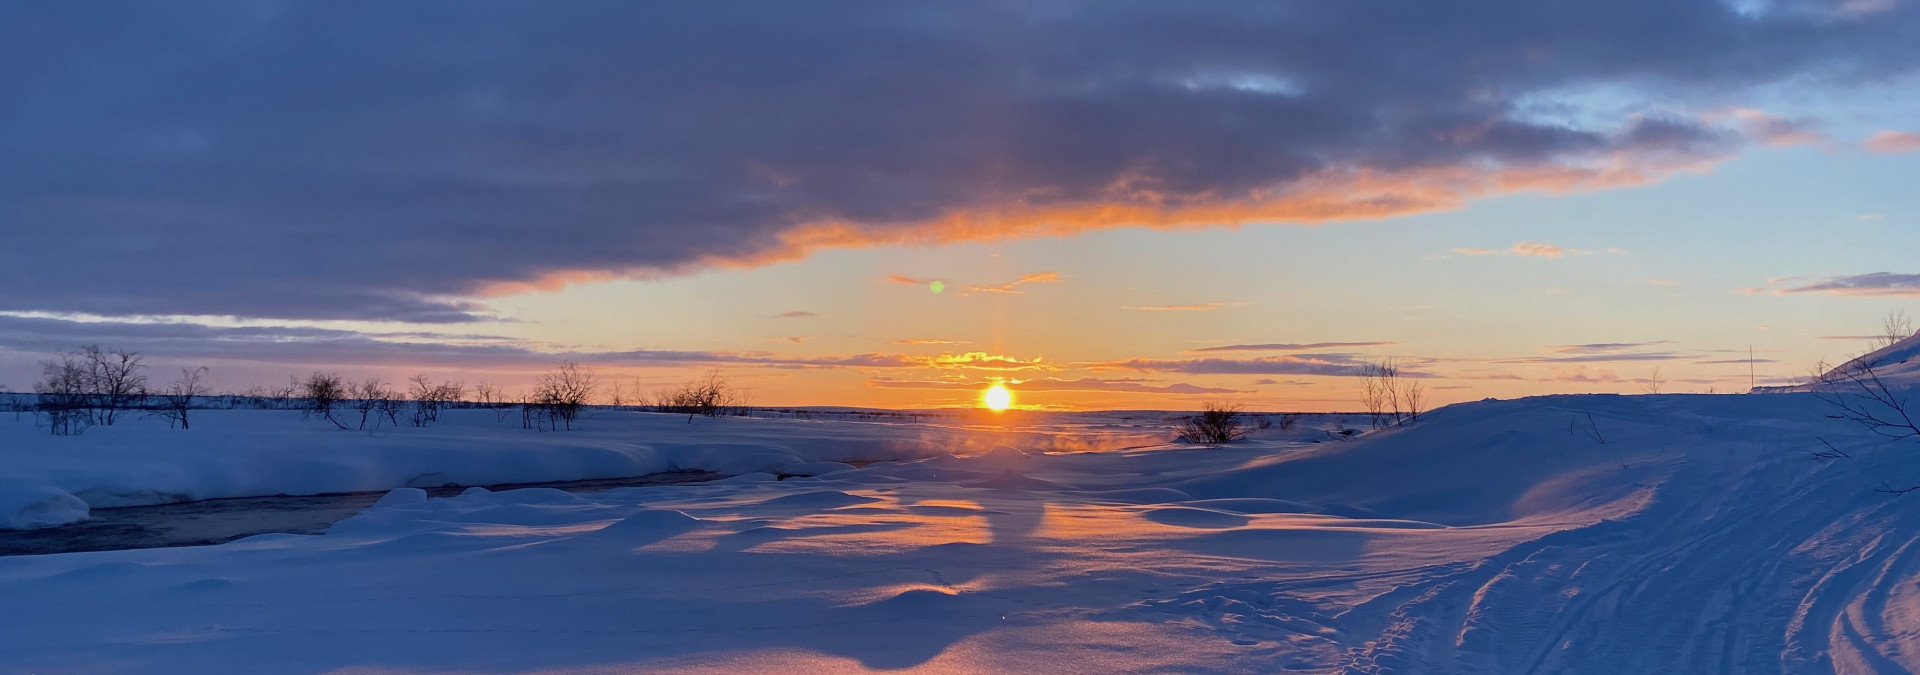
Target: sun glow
(997, 397)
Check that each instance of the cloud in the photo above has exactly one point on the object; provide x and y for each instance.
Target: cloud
(1318, 364)
(905, 280)
(1010, 287)
(1202, 307)
(1775, 130)
(1580, 374)
(983, 361)
(1603, 347)
(309, 346)
(1526, 248)
(1290, 347)
(1599, 358)
(1054, 384)
(796, 314)
(1871, 284)
(1893, 142)
(925, 341)
(342, 172)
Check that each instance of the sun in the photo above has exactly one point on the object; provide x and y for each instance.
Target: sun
(997, 397)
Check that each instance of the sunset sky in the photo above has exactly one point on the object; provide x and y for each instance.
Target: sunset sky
(1128, 205)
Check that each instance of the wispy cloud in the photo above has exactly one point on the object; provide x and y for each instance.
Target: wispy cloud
(796, 314)
(1893, 142)
(1318, 364)
(1201, 307)
(1870, 284)
(1012, 287)
(1290, 347)
(1526, 248)
(925, 341)
(1771, 129)
(1602, 347)
(307, 346)
(983, 361)
(1132, 385)
(905, 280)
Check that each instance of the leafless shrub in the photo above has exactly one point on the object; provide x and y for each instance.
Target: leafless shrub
(322, 393)
(559, 397)
(61, 396)
(486, 394)
(709, 396)
(114, 381)
(1858, 395)
(1894, 328)
(1591, 429)
(374, 400)
(1390, 397)
(1653, 382)
(1216, 423)
(1289, 420)
(177, 399)
(429, 399)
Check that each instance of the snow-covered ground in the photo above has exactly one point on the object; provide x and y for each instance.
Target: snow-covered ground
(48, 480)
(1569, 534)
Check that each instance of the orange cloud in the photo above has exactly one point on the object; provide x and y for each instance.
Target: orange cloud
(1009, 287)
(1526, 248)
(1893, 142)
(982, 360)
(1330, 195)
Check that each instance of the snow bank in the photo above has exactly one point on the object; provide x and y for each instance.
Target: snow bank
(240, 453)
(26, 506)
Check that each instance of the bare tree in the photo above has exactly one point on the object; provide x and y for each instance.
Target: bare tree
(113, 381)
(487, 394)
(1390, 397)
(429, 399)
(62, 396)
(178, 397)
(708, 396)
(563, 393)
(373, 399)
(322, 392)
(1653, 382)
(1894, 328)
(1216, 423)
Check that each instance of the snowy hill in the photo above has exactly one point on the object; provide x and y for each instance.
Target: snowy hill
(1898, 361)
(1580, 534)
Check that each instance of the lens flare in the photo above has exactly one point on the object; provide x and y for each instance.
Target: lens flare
(937, 286)
(997, 397)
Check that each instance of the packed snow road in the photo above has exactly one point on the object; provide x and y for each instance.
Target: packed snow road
(1580, 534)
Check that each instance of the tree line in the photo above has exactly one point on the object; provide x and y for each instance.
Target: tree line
(96, 386)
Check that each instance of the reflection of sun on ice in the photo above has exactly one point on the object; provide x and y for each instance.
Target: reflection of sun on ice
(997, 397)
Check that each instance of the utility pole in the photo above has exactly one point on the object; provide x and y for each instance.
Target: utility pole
(1750, 380)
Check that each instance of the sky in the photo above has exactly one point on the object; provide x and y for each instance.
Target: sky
(1124, 204)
